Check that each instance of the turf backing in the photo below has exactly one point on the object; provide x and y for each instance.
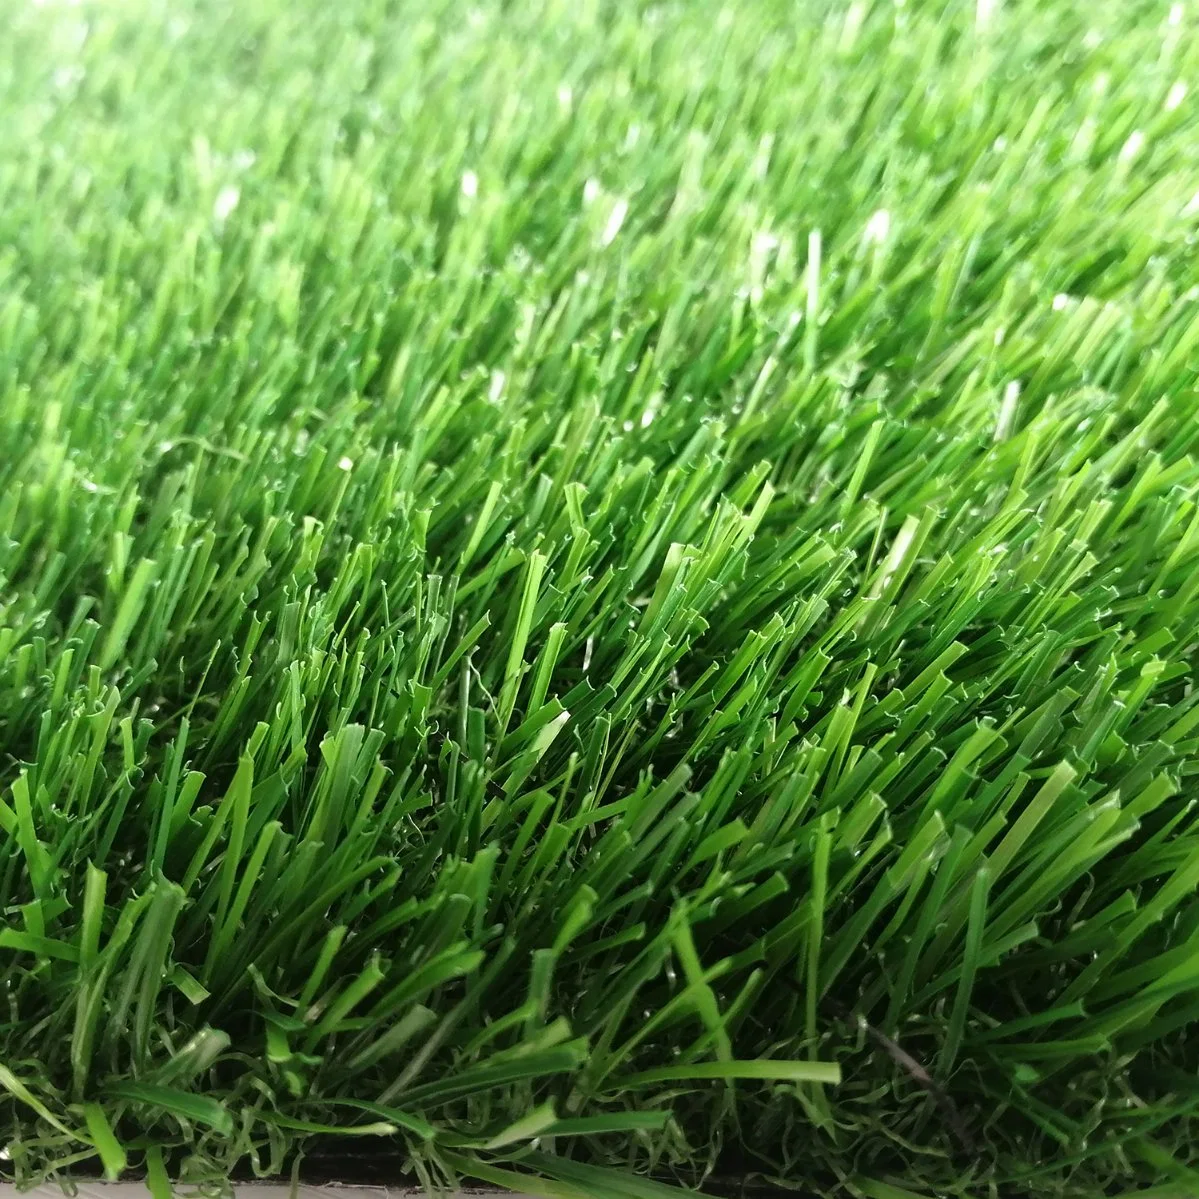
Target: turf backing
(597, 595)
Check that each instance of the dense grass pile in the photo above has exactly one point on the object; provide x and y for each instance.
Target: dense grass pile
(570, 571)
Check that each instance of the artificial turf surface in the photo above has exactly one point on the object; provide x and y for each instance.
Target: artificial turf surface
(601, 595)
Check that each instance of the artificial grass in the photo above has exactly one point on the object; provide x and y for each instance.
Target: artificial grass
(572, 572)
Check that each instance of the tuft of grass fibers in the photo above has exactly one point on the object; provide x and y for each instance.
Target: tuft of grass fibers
(597, 595)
